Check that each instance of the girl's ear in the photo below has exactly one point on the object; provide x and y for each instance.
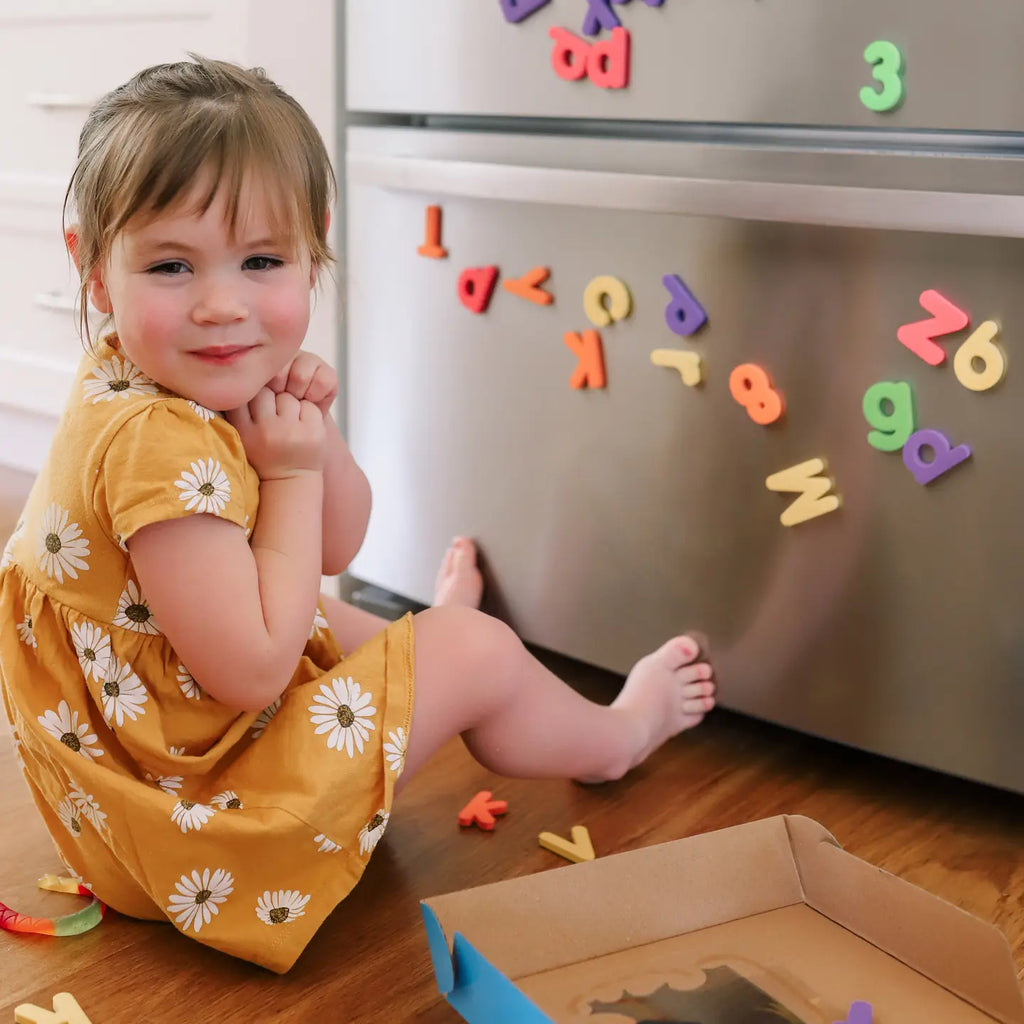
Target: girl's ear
(71, 241)
(97, 291)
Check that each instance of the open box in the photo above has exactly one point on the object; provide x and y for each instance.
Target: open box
(764, 923)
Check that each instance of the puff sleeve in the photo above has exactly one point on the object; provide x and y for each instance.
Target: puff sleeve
(174, 459)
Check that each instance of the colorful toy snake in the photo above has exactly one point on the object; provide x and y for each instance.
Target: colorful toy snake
(67, 924)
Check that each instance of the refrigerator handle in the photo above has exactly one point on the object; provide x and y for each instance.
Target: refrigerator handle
(890, 209)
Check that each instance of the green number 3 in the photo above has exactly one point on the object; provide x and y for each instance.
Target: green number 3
(888, 69)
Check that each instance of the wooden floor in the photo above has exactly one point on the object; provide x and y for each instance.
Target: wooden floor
(369, 962)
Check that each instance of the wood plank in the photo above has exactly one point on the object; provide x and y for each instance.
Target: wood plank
(369, 962)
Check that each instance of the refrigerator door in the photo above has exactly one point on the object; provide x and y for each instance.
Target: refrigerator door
(612, 518)
(801, 62)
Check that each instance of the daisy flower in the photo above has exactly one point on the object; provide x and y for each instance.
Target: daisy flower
(319, 624)
(123, 693)
(206, 488)
(170, 784)
(92, 646)
(201, 411)
(116, 378)
(189, 814)
(264, 718)
(63, 725)
(25, 634)
(281, 906)
(344, 712)
(133, 611)
(188, 686)
(8, 556)
(176, 751)
(326, 845)
(70, 817)
(227, 801)
(370, 833)
(198, 897)
(61, 547)
(87, 805)
(394, 749)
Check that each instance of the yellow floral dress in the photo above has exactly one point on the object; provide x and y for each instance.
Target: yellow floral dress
(245, 830)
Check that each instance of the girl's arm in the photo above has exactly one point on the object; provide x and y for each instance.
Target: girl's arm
(347, 497)
(238, 613)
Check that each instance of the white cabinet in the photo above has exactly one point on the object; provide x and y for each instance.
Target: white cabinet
(59, 57)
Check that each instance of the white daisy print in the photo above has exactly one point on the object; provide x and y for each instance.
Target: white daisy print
(176, 751)
(281, 906)
(189, 814)
(343, 711)
(264, 718)
(246, 526)
(170, 784)
(116, 378)
(326, 845)
(188, 686)
(8, 556)
(198, 897)
(25, 634)
(394, 749)
(63, 725)
(123, 693)
(227, 801)
(92, 646)
(206, 488)
(61, 547)
(370, 833)
(70, 817)
(86, 803)
(319, 624)
(133, 611)
(201, 411)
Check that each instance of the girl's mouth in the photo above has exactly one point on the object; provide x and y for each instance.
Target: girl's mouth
(222, 355)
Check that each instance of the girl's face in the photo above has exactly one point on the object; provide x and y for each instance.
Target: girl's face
(208, 314)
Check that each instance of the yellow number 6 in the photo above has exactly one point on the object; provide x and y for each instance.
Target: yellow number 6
(887, 64)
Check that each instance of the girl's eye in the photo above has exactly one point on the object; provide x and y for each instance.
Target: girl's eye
(262, 263)
(171, 268)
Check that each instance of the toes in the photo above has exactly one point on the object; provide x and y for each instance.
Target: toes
(679, 651)
(695, 673)
(698, 705)
(700, 689)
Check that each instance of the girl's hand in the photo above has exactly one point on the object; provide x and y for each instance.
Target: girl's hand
(309, 379)
(283, 435)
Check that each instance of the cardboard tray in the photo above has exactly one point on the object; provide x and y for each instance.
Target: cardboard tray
(771, 920)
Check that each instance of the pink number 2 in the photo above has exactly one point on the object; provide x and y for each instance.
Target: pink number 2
(946, 319)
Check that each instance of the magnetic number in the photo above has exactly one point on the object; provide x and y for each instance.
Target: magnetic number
(752, 388)
(887, 68)
(981, 348)
(889, 408)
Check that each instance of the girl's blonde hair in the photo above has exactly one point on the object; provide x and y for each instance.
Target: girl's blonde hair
(145, 145)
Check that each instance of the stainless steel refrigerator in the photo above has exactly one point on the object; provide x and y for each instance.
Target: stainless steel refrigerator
(772, 194)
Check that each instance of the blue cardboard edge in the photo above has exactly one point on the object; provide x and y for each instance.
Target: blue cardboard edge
(444, 971)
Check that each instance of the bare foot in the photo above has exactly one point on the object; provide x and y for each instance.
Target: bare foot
(665, 693)
(458, 580)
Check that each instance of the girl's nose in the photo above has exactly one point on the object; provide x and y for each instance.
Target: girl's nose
(219, 303)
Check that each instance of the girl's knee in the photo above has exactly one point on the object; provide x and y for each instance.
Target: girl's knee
(468, 634)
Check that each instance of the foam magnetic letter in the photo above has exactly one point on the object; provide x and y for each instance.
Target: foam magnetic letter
(600, 15)
(891, 428)
(980, 347)
(529, 286)
(809, 481)
(944, 456)
(589, 372)
(687, 363)
(570, 54)
(919, 336)
(432, 247)
(517, 10)
(683, 314)
(620, 302)
(608, 61)
(475, 287)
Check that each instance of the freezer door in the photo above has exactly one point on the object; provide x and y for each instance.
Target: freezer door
(613, 517)
(798, 62)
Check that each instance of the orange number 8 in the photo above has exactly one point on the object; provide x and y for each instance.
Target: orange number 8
(751, 386)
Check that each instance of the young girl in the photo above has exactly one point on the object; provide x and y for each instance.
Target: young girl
(208, 739)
